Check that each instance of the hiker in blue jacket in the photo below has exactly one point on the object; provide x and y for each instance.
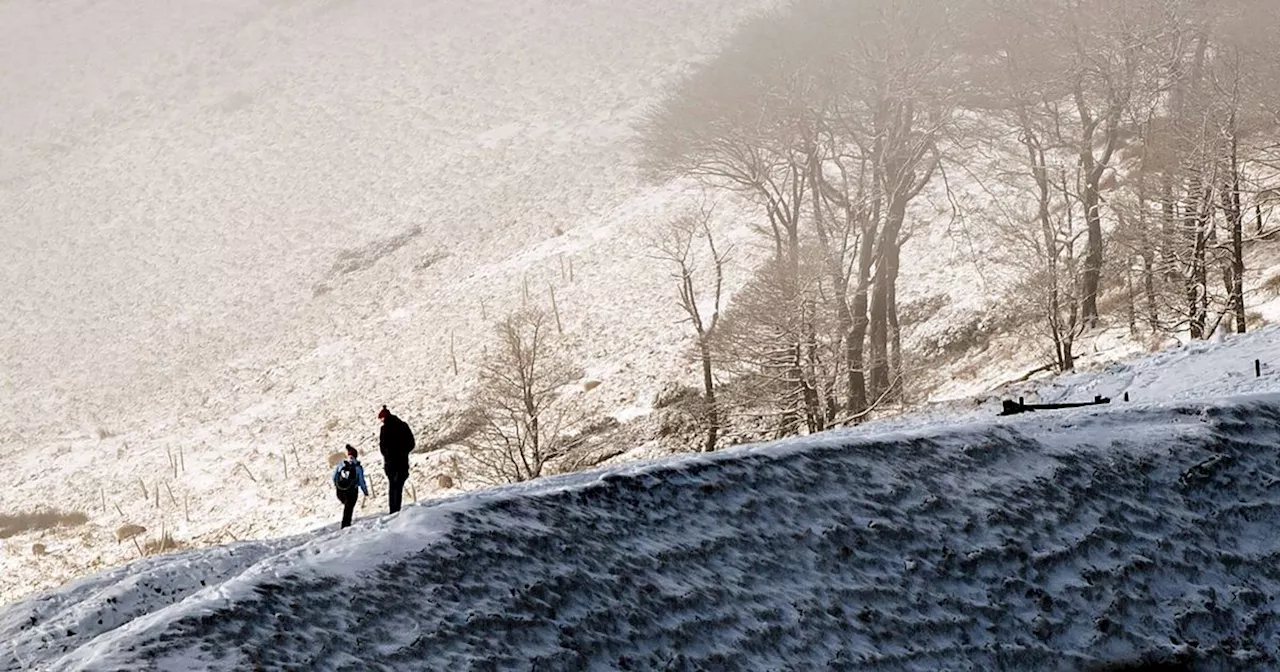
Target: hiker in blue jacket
(347, 477)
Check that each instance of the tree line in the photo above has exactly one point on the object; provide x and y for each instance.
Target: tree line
(1126, 146)
(1127, 151)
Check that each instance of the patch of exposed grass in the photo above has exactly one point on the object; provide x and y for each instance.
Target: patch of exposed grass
(34, 521)
(164, 544)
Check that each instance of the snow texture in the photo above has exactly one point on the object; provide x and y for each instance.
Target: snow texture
(1046, 541)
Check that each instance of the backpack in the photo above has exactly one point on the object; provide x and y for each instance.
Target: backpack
(347, 476)
(406, 435)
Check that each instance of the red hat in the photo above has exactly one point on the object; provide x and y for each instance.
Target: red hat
(351, 450)
(384, 412)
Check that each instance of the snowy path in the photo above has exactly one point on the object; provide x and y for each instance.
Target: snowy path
(1042, 542)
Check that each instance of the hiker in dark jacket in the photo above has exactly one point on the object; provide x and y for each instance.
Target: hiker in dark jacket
(348, 479)
(396, 442)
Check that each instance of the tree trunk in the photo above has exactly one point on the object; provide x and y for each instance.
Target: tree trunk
(856, 355)
(1197, 218)
(854, 348)
(712, 414)
(532, 465)
(879, 328)
(1235, 219)
(1170, 240)
(1131, 311)
(1093, 255)
(835, 261)
(812, 385)
(884, 313)
(896, 384)
(1068, 338)
(1149, 287)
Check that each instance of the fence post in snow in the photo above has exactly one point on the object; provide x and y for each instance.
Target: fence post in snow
(453, 355)
(555, 309)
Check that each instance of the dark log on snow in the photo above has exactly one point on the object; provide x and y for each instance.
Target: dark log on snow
(1012, 407)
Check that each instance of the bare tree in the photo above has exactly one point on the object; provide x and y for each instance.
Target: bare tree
(892, 67)
(827, 114)
(1243, 72)
(739, 123)
(676, 247)
(1115, 51)
(1197, 147)
(777, 351)
(1022, 90)
(524, 417)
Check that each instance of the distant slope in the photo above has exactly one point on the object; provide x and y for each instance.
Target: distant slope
(233, 229)
(1027, 543)
(176, 181)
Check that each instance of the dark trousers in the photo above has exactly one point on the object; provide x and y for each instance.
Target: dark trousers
(395, 487)
(348, 500)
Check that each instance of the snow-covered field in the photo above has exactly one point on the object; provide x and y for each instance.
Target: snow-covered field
(209, 206)
(232, 230)
(1051, 540)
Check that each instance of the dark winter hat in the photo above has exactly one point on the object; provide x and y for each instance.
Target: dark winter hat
(384, 412)
(351, 450)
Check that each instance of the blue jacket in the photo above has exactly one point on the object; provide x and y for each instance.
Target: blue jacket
(359, 475)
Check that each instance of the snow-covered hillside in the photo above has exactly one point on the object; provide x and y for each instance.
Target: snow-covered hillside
(963, 541)
(205, 203)
(232, 230)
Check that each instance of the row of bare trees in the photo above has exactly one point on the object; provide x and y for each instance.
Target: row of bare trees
(1124, 152)
(830, 117)
(1155, 116)
(1119, 146)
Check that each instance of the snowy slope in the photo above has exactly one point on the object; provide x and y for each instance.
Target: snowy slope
(1199, 369)
(967, 541)
(201, 200)
(232, 230)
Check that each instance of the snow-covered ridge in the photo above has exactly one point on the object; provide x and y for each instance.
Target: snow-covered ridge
(1041, 542)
